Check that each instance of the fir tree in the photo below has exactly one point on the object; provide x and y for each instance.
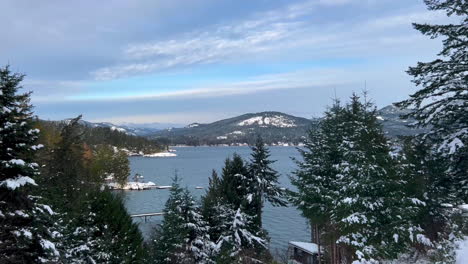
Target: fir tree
(169, 237)
(227, 199)
(373, 213)
(262, 182)
(316, 177)
(442, 102)
(108, 161)
(24, 221)
(349, 188)
(210, 202)
(233, 181)
(197, 244)
(237, 237)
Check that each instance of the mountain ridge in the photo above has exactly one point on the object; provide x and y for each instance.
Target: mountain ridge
(276, 128)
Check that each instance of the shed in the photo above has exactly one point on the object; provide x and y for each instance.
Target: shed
(302, 252)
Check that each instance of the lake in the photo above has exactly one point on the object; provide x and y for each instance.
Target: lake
(194, 166)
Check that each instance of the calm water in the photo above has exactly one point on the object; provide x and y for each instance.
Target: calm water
(194, 166)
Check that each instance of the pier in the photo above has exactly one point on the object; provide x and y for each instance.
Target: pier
(146, 216)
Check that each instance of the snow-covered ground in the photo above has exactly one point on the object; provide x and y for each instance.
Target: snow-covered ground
(462, 251)
(160, 155)
(133, 186)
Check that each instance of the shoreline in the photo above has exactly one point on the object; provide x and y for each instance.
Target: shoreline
(240, 145)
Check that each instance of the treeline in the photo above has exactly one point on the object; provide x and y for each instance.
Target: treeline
(371, 201)
(94, 136)
(53, 206)
(225, 226)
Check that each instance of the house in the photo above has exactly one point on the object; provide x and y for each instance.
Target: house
(302, 253)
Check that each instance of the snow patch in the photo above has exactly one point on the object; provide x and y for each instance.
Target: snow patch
(160, 155)
(12, 184)
(276, 121)
(18, 162)
(47, 245)
(119, 129)
(462, 252)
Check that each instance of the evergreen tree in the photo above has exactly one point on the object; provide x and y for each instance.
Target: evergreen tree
(197, 244)
(428, 181)
(233, 181)
(348, 187)
(169, 238)
(226, 207)
(262, 182)
(110, 162)
(183, 236)
(316, 177)
(25, 234)
(373, 213)
(66, 178)
(237, 237)
(210, 202)
(442, 102)
(94, 225)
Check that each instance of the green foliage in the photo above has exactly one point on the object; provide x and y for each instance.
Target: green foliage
(347, 185)
(97, 136)
(441, 102)
(183, 236)
(94, 224)
(168, 238)
(231, 207)
(25, 226)
(262, 182)
(108, 161)
(106, 136)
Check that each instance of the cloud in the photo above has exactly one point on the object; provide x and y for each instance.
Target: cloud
(268, 33)
(258, 34)
(179, 118)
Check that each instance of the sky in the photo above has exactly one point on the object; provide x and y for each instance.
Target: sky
(183, 61)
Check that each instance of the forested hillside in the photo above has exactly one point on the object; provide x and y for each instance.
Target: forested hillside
(103, 135)
(275, 127)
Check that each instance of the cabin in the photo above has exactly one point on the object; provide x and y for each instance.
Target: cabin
(302, 253)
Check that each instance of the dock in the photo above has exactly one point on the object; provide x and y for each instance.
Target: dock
(146, 215)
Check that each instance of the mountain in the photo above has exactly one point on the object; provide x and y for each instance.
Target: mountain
(393, 125)
(274, 127)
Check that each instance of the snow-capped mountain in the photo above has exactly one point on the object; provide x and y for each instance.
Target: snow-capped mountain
(274, 127)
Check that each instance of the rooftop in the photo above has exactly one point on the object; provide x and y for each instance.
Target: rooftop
(308, 247)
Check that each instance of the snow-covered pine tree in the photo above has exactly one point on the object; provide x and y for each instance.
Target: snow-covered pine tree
(262, 182)
(168, 239)
(210, 202)
(427, 181)
(227, 197)
(372, 212)
(237, 237)
(442, 102)
(24, 224)
(197, 244)
(316, 177)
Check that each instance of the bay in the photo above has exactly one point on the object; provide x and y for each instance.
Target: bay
(194, 166)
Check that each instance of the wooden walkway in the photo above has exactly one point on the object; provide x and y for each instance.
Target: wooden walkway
(146, 216)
